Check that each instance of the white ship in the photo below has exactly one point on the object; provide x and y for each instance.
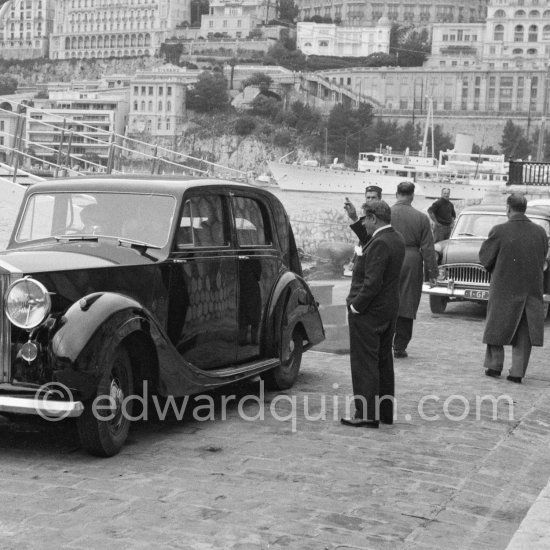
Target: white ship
(467, 175)
(385, 169)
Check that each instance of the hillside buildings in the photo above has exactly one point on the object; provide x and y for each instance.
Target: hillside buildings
(237, 18)
(337, 40)
(102, 28)
(356, 14)
(25, 27)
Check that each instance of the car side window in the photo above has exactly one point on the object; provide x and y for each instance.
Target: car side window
(250, 222)
(201, 223)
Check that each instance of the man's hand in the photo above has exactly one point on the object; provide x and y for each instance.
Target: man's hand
(432, 282)
(350, 210)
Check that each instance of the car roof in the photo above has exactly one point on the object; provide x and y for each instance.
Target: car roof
(173, 185)
(500, 208)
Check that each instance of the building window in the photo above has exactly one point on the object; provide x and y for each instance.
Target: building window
(403, 104)
(160, 106)
(499, 33)
(518, 33)
(161, 90)
(533, 33)
(546, 32)
(519, 13)
(169, 106)
(136, 90)
(168, 124)
(168, 90)
(517, 51)
(500, 14)
(150, 90)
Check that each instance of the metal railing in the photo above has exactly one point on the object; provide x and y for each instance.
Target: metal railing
(70, 152)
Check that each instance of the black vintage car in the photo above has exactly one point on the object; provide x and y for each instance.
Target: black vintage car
(110, 282)
(461, 276)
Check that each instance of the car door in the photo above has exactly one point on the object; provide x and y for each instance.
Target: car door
(202, 314)
(259, 262)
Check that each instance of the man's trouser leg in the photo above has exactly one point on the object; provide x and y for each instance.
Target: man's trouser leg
(387, 378)
(364, 357)
(403, 333)
(521, 348)
(441, 232)
(494, 357)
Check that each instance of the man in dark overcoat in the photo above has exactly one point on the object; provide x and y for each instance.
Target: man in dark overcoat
(373, 302)
(515, 254)
(419, 254)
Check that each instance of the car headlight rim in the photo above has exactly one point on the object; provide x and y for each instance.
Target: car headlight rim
(27, 303)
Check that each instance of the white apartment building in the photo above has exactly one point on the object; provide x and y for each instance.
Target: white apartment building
(103, 28)
(236, 18)
(330, 39)
(157, 101)
(516, 35)
(25, 26)
(94, 115)
(354, 13)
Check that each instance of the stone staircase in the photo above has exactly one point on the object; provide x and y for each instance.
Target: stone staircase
(331, 296)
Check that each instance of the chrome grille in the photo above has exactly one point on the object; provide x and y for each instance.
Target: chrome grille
(468, 274)
(5, 333)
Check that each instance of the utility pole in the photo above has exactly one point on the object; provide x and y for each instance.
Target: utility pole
(326, 145)
(542, 131)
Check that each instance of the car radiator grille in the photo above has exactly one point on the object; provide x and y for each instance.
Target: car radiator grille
(470, 274)
(5, 333)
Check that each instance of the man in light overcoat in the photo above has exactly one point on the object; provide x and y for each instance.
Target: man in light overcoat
(515, 255)
(419, 254)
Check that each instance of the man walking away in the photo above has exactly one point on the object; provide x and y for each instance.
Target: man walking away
(415, 228)
(515, 254)
(442, 212)
(373, 302)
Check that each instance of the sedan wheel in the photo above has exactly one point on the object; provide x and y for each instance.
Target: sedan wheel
(284, 376)
(438, 304)
(104, 429)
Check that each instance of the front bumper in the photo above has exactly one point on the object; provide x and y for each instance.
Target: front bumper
(44, 408)
(453, 292)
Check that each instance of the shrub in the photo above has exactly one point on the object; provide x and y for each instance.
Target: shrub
(244, 126)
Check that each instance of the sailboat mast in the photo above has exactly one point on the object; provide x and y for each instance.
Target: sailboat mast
(429, 125)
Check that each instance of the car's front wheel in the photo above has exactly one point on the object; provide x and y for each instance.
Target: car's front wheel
(103, 426)
(284, 376)
(438, 304)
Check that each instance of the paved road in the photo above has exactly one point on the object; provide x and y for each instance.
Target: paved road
(431, 481)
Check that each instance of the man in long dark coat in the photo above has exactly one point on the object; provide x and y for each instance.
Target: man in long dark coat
(373, 302)
(419, 253)
(514, 254)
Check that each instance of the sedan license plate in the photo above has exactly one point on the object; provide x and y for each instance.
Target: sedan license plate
(476, 294)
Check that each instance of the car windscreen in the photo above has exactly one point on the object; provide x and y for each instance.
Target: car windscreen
(144, 218)
(477, 224)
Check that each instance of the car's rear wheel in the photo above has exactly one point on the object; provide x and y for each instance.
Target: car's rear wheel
(438, 304)
(284, 376)
(103, 430)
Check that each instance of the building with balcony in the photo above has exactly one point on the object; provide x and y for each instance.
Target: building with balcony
(236, 18)
(101, 28)
(25, 26)
(334, 40)
(92, 118)
(356, 14)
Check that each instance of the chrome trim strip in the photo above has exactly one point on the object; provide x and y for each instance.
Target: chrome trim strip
(30, 405)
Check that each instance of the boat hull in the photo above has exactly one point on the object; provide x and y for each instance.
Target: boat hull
(296, 177)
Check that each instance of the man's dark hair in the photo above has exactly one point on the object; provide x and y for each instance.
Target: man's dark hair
(405, 188)
(374, 189)
(380, 209)
(517, 202)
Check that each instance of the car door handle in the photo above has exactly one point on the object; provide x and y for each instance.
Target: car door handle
(244, 257)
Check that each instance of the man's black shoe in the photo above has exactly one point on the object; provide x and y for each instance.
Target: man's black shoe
(359, 423)
(386, 420)
(400, 353)
(516, 379)
(492, 372)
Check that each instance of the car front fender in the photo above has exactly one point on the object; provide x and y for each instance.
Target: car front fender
(90, 331)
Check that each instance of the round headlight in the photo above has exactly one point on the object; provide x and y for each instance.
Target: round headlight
(27, 303)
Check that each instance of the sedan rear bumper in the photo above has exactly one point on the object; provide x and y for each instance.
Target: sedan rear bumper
(44, 408)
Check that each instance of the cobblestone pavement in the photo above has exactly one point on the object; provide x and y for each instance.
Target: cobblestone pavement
(455, 476)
